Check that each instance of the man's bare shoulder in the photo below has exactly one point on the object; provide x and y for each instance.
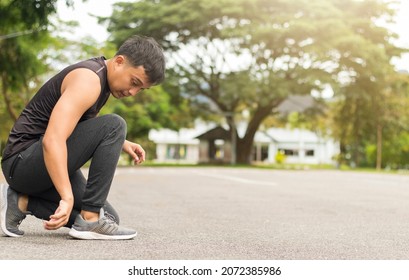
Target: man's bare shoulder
(81, 79)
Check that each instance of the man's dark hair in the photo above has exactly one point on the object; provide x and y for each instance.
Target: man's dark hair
(146, 52)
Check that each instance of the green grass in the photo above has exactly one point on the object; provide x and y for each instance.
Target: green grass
(294, 167)
(258, 166)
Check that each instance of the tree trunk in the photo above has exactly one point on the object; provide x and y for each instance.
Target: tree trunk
(7, 100)
(356, 153)
(379, 147)
(243, 150)
(244, 146)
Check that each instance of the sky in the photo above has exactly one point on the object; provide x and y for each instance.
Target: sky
(82, 11)
(88, 25)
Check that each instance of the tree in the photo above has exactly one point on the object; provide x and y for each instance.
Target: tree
(391, 123)
(24, 36)
(254, 53)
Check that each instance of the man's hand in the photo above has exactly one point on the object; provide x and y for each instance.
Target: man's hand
(61, 215)
(135, 151)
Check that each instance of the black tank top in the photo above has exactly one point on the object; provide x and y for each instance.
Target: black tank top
(33, 121)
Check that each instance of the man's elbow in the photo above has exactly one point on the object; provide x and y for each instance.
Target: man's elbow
(50, 142)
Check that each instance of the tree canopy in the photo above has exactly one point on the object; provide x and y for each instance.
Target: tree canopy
(230, 55)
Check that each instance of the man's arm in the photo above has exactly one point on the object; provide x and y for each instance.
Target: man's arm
(79, 91)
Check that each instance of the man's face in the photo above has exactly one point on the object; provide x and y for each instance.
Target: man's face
(126, 80)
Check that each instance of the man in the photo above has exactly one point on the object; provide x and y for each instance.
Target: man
(59, 131)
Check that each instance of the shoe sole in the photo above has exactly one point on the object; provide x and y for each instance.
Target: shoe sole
(89, 235)
(3, 210)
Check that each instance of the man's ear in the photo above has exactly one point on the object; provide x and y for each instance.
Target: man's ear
(119, 60)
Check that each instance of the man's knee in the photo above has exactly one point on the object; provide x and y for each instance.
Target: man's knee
(117, 122)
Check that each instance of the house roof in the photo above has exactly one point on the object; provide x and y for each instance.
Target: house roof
(210, 132)
(280, 135)
(183, 136)
(215, 133)
(296, 103)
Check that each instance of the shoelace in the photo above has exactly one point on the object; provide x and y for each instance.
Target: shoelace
(110, 217)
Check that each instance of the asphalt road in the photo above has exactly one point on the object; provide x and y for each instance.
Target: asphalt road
(239, 213)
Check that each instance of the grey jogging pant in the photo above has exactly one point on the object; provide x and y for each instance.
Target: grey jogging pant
(99, 139)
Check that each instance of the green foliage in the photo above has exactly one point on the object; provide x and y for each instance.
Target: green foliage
(24, 37)
(395, 152)
(370, 105)
(17, 15)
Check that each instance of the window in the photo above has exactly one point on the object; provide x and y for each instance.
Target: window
(260, 153)
(289, 152)
(176, 151)
(264, 153)
(309, 153)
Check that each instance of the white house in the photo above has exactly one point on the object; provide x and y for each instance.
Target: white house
(177, 146)
(298, 146)
(174, 146)
(210, 143)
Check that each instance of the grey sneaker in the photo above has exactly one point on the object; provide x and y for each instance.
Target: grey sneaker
(10, 215)
(105, 228)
